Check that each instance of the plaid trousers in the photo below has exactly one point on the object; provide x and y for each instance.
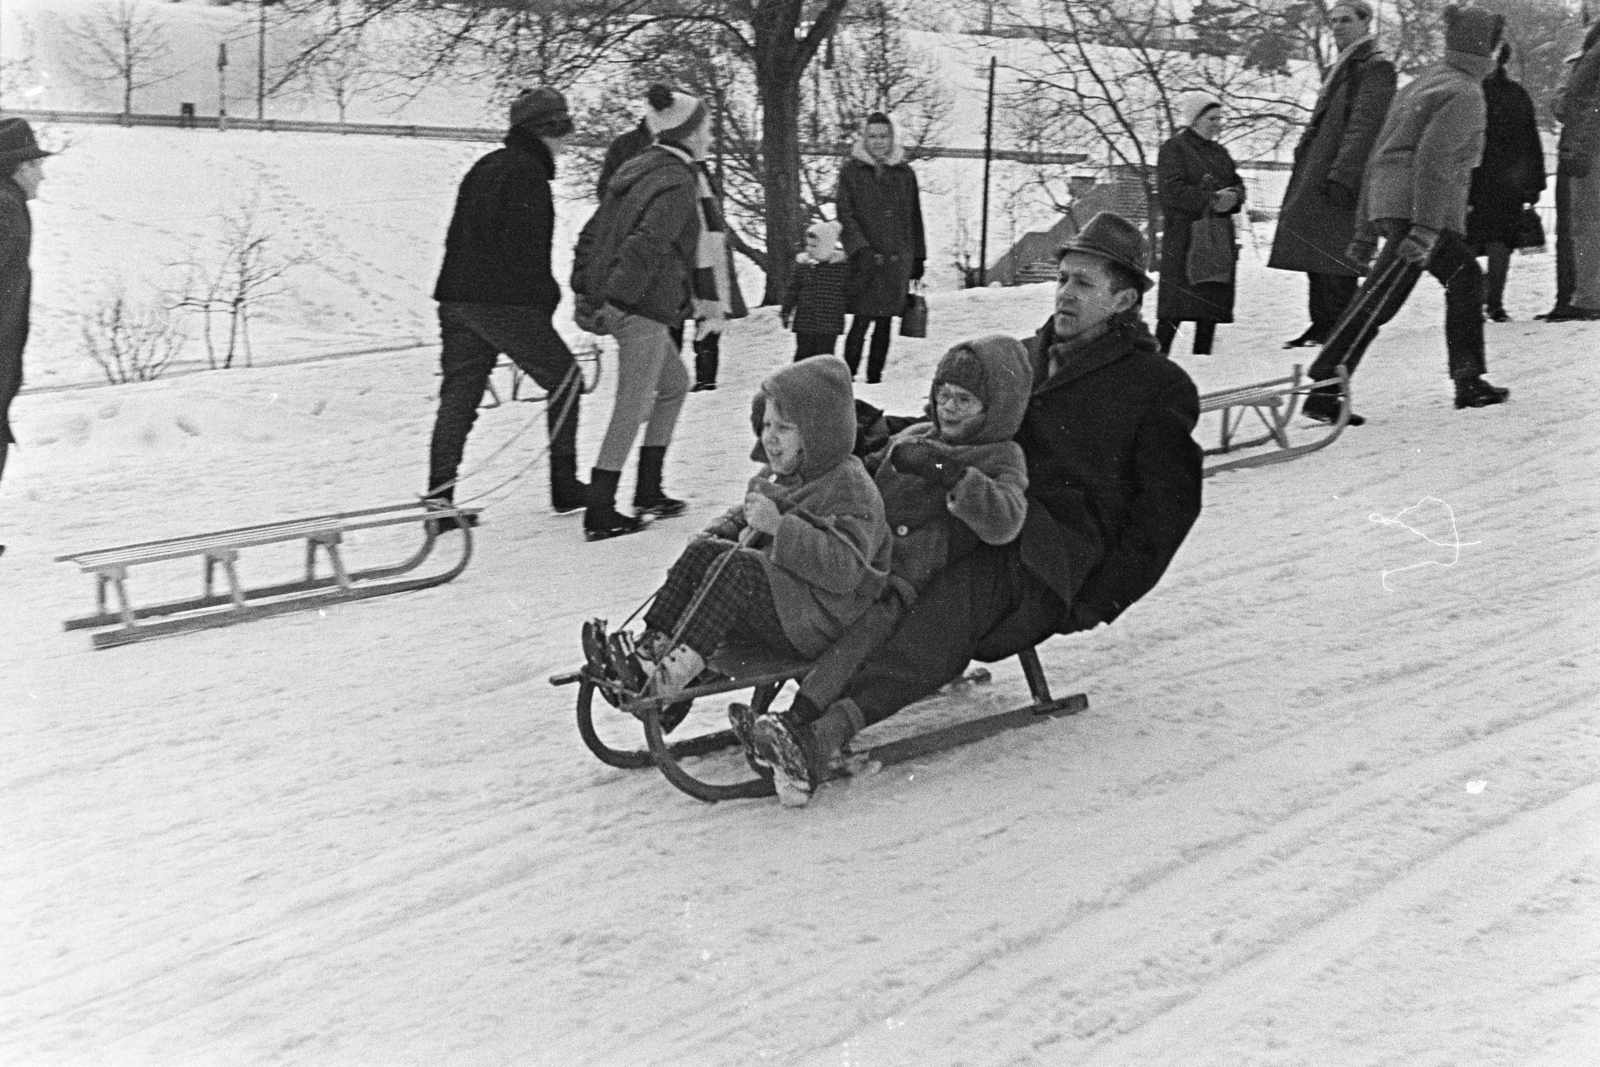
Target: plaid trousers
(738, 602)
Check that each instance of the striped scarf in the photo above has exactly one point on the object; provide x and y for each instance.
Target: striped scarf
(711, 280)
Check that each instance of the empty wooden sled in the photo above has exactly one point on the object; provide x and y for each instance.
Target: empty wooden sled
(765, 673)
(221, 551)
(1274, 404)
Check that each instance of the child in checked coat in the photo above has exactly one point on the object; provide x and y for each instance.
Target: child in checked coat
(790, 568)
(814, 304)
(948, 485)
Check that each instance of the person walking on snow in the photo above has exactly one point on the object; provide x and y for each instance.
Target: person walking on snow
(1510, 178)
(814, 303)
(496, 294)
(1318, 219)
(21, 172)
(880, 207)
(645, 262)
(1415, 198)
(1578, 187)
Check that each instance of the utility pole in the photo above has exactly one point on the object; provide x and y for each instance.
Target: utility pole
(988, 154)
(261, 63)
(222, 85)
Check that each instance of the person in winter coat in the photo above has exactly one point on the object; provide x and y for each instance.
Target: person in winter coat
(1578, 187)
(880, 208)
(645, 262)
(21, 172)
(496, 294)
(1415, 198)
(1510, 178)
(793, 565)
(1318, 218)
(948, 484)
(1114, 478)
(1195, 177)
(814, 303)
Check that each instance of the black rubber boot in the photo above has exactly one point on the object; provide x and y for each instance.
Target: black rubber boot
(1474, 392)
(601, 518)
(566, 492)
(648, 499)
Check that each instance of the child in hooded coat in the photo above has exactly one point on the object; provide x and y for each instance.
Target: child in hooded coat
(807, 552)
(818, 293)
(947, 485)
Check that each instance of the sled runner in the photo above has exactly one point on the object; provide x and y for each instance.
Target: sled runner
(240, 602)
(765, 673)
(1273, 403)
(588, 360)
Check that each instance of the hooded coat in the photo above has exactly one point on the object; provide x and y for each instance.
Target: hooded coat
(638, 252)
(1511, 174)
(1313, 231)
(829, 559)
(1189, 171)
(880, 208)
(16, 283)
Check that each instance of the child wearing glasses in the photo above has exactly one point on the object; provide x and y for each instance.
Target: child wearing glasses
(948, 484)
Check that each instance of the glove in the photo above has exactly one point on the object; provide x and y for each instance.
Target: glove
(1363, 249)
(929, 461)
(1417, 248)
(1339, 194)
(916, 270)
(709, 318)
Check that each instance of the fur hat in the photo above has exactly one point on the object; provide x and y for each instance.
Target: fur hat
(1471, 30)
(542, 110)
(1192, 105)
(673, 115)
(995, 369)
(815, 395)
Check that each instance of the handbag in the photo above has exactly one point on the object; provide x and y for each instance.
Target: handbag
(914, 317)
(1211, 251)
(1530, 230)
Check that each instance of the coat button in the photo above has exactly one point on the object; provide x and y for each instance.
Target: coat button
(902, 530)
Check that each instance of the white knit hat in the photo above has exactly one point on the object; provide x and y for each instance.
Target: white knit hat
(827, 233)
(1192, 105)
(673, 114)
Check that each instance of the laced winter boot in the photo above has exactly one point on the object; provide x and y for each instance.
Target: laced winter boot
(1324, 407)
(742, 718)
(1474, 392)
(597, 656)
(786, 744)
(648, 499)
(675, 671)
(600, 517)
(566, 492)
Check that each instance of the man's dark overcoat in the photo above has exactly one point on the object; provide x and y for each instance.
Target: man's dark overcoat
(1512, 172)
(16, 284)
(1189, 171)
(1313, 230)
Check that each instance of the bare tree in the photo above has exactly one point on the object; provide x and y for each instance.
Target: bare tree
(121, 43)
(128, 342)
(244, 270)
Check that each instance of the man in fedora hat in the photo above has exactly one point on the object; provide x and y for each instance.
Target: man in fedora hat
(1113, 488)
(20, 174)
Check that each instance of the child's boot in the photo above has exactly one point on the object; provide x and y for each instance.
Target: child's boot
(675, 671)
(787, 745)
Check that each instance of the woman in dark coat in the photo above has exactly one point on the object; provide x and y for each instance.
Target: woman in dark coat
(880, 208)
(20, 175)
(1194, 175)
(1510, 178)
(1318, 219)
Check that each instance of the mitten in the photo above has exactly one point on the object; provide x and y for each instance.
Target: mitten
(928, 461)
(1363, 249)
(1417, 248)
(1338, 194)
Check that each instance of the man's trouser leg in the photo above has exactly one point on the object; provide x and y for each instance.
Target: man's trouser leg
(707, 356)
(1586, 239)
(1380, 299)
(467, 360)
(952, 615)
(1494, 279)
(1566, 263)
(1457, 270)
(530, 340)
(1330, 294)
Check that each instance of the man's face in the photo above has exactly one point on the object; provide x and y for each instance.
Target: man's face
(28, 176)
(1086, 295)
(1347, 26)
(880, 140)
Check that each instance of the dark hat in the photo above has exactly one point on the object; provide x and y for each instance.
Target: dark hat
(1112, 237)
(542, 110)
(878, 118)
(1472, 30)
(17, 144)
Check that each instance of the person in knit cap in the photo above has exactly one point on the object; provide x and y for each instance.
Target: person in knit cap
(818, 293)
(1415, 199)
(497, 294)
(948, 484)
(880, 207)
(21, 173)
(652, 256)
(1195, 177)
(791, 567)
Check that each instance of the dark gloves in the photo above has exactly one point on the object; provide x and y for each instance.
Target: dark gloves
(1417, 248)
(916, 270)
(929, 461)
(1339, 195)
(1363, 249)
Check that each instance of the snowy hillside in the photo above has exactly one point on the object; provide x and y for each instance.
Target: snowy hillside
(1335, 801)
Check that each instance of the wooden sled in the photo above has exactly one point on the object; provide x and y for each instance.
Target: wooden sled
(1274, 404)
(221, 551)
(765, 673)
(589, 366)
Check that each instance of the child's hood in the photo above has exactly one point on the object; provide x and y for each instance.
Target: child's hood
(815, 395)
(995, 369)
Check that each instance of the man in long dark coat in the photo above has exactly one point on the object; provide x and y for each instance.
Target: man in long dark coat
(1318, 219)
(20, 174)
(1113, 488)
(1510, 177)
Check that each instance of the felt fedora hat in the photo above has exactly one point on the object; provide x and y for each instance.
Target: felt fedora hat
(1112, 237)
(17, 143)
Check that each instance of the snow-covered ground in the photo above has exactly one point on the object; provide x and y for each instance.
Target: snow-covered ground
(1335, 800)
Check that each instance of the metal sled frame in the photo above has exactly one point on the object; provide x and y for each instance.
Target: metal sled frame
(589, 365)
(765, 673)
(1273, 403)
(241, 603)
